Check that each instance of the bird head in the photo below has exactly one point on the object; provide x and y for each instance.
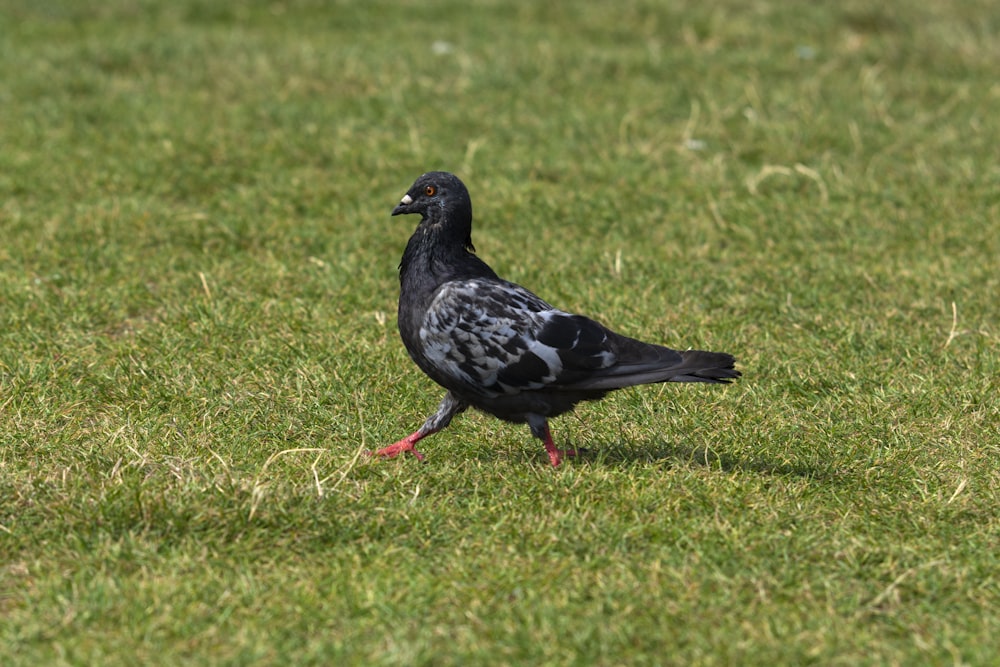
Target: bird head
(434, 194)
(443, 203)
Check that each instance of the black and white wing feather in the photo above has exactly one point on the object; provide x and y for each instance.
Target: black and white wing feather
(497, 338)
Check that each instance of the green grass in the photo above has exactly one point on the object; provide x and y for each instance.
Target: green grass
(197, 333)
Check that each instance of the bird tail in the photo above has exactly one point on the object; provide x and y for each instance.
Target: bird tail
(701, 366)
(643, 363)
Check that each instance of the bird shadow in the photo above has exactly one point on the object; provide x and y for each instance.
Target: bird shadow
(672, 454)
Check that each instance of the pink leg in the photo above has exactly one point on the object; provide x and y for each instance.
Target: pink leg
(403, 446)
(555, 454)
(449, 407)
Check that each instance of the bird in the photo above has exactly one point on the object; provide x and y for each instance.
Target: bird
(497, 347)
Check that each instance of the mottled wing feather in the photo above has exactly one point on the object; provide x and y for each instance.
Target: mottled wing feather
(497, 338)
(583, 345)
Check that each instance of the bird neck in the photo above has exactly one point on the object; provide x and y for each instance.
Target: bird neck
(434, 256)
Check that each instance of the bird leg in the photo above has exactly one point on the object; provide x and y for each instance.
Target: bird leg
(556, 454)
(540, 429)
(404, 445)
(449, 407)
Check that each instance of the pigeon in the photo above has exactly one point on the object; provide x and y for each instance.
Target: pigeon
(495, 346)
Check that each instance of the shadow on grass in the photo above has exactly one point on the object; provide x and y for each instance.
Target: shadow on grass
(674, 454)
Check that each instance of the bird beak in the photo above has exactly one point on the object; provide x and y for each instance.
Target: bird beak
(403, 207)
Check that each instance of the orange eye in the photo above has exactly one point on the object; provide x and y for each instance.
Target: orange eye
(430, 190)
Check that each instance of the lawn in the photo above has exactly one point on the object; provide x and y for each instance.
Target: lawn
(198, 340)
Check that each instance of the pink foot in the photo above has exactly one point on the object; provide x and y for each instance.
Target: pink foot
(407, 444)
(555, 454)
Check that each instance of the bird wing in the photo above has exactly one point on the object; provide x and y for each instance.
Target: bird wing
(495, 338)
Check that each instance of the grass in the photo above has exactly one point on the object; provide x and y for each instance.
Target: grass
(197, 333)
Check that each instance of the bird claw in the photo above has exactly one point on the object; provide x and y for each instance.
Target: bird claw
(395, 449)
(556, 455)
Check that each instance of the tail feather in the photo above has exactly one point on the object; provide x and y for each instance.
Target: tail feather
(643, 363)
(701, 366)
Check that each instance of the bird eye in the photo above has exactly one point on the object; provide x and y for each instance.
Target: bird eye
(430, 190)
